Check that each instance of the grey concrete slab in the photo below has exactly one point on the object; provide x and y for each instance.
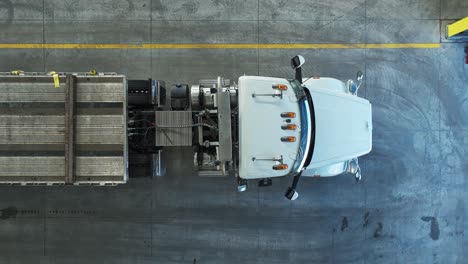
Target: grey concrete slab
(13, 204)
(191, 65)
(195, 196)
(341, 64)
(323, 31)
(208, 240)
(21, 31)
(402, 174)
(384, 247)
(214, 256)
(393, 239)
(21, 237)
(22, 59)
(311, 10)
(402, 31)
(130, 201)
(322, 220)
(320, 199)
(230, 240)
(454, 159)
(403, 186)
(21, 222)
(117, 238)
(451, 219)
(73, 259)
(348, 241)
(289, 241)
(204, 10)
(126, 32)
(451, 208)
(313, 234)
(453, 9)
(421, 229)
(402, 86)
(21, 10)
(97, 10)
(212, 223)
(82, 60)
(204, 31)
(271, 198)
(134, 63)
(404, 191)
(453, 92)
(403, 9)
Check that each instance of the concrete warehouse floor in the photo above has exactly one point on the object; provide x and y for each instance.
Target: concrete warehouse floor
(409, 208)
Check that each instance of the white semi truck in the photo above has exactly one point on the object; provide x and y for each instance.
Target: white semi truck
(315, 127)
(105, 129)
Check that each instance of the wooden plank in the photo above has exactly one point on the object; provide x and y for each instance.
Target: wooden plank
(31, 166)
(93, 166)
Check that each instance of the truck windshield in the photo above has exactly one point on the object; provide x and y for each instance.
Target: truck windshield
(307, 138)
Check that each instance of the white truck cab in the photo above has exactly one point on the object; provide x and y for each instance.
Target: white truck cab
(317, 128)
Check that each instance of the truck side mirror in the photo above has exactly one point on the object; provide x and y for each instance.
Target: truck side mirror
(359, 76)
(297, 61)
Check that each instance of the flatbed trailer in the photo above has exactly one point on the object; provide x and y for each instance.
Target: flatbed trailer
(71, 131)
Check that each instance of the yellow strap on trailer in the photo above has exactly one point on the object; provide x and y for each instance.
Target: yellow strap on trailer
(56, 79)
(457, 27)
(16, 72)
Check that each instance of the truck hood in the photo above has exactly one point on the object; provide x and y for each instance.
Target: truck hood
(343, 126)
(260, 130)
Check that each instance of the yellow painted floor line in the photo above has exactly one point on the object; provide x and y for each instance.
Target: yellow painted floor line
(223, 46)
